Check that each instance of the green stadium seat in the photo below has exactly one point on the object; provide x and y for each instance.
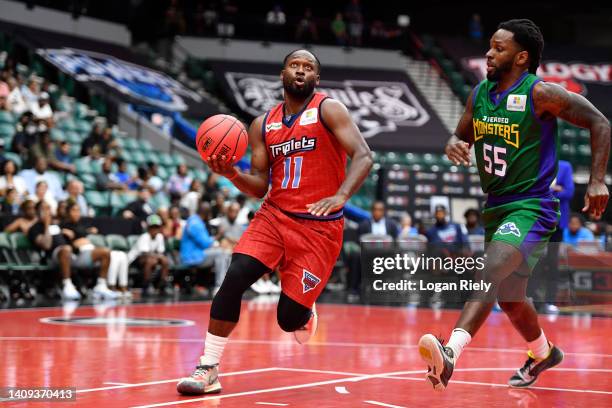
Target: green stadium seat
(97, 199)
(84, 166)
(165, 159)
(132, 240)
(162, 172)
(58, 135)
(89, 181)
(131, 144)
(97, 239)
(138, 158)
(20, 241)
(83, 126)
(73, 137)
(67, 125)
(117, 242)
(146, 145)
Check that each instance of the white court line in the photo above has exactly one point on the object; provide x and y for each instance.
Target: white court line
(341, 390)
(279, 342)
(267, 390)
(116, 383)
(309, 370)
(258, 370)
(271, 403)
(382, 404)
(507, 386)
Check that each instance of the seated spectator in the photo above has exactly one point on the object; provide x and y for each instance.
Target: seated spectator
(74, 192)
(230, 230)
(139, 209)
(172, 223)
(472, 222)
(105, 180)
(94, 138)
(10, 204)
(42, 109)
(179, 182)
(154, 181)
(32, 176)
(42, 193)
(48, 237)
(109, 143)
(44, 147)
(148, 253)
(306, 30)
(379, 224)
(243, 215)
(576, 231)
(25, 136)
(27, 218)
(10, 179)
(85, 254)
(197, 246)
(31, 91)
(62, 153)
(121, 175)
(406, 227)
(192, 198)
(15, 99)
(447, 237)
(219, 205)
(338, 28)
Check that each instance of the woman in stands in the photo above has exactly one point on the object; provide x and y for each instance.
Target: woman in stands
(26, 219)
(9, 179)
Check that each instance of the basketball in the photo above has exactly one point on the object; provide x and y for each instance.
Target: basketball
(222, 135)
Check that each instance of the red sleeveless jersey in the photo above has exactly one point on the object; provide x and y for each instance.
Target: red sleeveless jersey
(307, 163)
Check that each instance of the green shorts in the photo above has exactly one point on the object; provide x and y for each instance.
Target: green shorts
(526, 224)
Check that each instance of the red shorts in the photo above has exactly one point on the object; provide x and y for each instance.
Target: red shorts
(305, 251)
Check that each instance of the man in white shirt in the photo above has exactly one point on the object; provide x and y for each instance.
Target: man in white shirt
(38, 173)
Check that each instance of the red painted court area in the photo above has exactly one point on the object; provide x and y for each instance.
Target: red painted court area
(360, 357)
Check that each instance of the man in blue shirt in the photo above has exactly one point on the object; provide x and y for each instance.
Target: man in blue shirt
(447, 237)
(576, 231)
(197, 247)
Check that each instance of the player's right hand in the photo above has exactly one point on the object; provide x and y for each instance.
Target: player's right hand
(222, 166)
(459, 153)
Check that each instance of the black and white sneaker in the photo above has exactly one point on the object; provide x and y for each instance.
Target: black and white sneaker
(204, 380)
(440, 361)
(529, 373)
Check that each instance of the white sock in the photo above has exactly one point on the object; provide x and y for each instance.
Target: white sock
(539, 347)
(458, 340)
(213, 349)
(101, 281)
(66, 282)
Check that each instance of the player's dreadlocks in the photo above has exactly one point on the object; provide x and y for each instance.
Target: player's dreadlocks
(528, 35)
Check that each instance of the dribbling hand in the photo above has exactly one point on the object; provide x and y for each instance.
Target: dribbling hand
(222, 166)
(459, 153)
(596, 199)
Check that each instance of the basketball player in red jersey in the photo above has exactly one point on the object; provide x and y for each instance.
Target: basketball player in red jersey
(299, 149)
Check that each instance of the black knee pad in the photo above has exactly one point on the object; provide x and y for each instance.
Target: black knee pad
(244, 270)
(290, 314)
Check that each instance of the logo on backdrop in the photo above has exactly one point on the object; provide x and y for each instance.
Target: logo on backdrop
(121, 321)
(376, 106)
(144, 84)
(571, 76)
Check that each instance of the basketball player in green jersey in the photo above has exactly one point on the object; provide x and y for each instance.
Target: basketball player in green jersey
(510, 119)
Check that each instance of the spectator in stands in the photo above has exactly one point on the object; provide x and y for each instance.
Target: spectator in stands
(379, 224)
(174, 24)
(48, 237)
(406, 227)
(230, 230)
(180, 182)
(62, 153)
(475, 28)
(227, 17)
(139, 209)
(10, 179)
(2, 153)
(44, 147)
(4, 105)
(338, 28)
(306, 30)
(32, 176)
(86, 254)
(177, 222)
(219, 205)
(198, 247)
(154, 181)
(74, 192)
(275, 22)
(109, 144)
(42, 193)
(148, 254)
(193, 197)
(447, 237)
(472, 222)
(243, 214)
(105, 180)
(30, 92)
(15, 99)
(354, 16)
(94, 138)
(10, 204)
(26, 219)
(25, 135)
(121, 175)
(42, 109)
(576, 231)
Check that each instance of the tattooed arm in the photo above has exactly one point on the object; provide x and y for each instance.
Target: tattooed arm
(552, 100)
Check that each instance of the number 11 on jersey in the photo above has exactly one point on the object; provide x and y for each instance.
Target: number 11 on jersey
(297, 171)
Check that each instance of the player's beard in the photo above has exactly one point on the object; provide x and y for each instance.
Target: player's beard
(296, 92)
(499, 71)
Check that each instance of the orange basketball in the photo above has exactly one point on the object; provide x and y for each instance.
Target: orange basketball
(222, 135)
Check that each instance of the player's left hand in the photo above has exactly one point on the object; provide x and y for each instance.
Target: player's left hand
(596, 199)
(327, 205)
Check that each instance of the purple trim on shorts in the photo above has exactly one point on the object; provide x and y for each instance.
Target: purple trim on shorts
(545, 194)
(547, 214)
